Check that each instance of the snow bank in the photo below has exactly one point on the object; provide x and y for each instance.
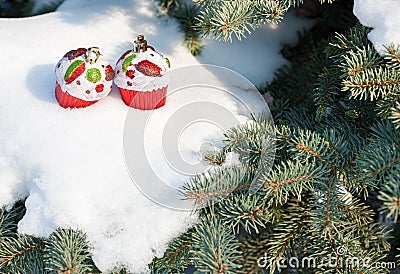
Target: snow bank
(383, 17)
(70, 163)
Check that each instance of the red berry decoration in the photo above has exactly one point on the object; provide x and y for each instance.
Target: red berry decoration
(80, 51)
(148, 68)
(109, 73)
(72, 54)
(99, 88)
(130, 74)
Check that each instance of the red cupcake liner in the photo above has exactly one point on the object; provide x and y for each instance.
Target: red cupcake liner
(68, 101)
(144, 100)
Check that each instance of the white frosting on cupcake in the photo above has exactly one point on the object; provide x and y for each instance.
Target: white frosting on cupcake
(89, 81)
(142, 71)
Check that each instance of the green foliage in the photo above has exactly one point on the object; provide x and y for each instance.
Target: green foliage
(24, 8)
(15, 8)
(332, 189)
(222, 19)
(185, 15)
(21, 254)
(170, 4)
(18, 253)
(215, 185)
(335, 174)
(50, 7)
(64, 251)
(216, 254)
(178, 255)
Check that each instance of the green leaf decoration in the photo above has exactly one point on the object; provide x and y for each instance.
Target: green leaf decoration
(127, 62)
(168, 62)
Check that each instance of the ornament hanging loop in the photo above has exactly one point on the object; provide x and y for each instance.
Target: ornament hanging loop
(140, 45)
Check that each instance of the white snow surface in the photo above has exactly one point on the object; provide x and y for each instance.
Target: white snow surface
(383, 17)
(70, 163)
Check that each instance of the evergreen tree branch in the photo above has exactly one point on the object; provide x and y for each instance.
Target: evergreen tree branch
(291, 179)
(178, 255)
(66, 251)
(392, 56)
(21, 255)
(9, 220)
(308, 145)
(243, 211)
(372, 84)
(218, 250)
(390, 196)
(216, 184)
(395, 114)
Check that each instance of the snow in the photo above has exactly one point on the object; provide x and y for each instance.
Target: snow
(383, 17)
(258, 56)
(71, 163)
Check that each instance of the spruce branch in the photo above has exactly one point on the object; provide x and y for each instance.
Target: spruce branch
(376, 163)
(297, 118)
(355, 211)
(324, 210)
(384, 133)
(216, 158)
(253, 141)
(185, 14)
(216, 184)
(170, 4)
(390, 196)
(225, 18)
(306, 145)
(372, 84)
(9, 220)
(392, 56)
(395, 114)
(67, 252)
(344, 138)
(283, 237)
(271, 11)
(21, 254)
(326, 90)
(387, 106)
(177, 257)
(292, 179)
(360, 60)
(252, 250)
(352, 40)
(218, 250)
(372, 237)
(243, 211)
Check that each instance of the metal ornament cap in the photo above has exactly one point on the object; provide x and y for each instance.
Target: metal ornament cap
(140, 44)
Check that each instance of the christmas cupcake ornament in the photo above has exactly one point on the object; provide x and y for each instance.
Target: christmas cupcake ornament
(141, 76)
(83, 77)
